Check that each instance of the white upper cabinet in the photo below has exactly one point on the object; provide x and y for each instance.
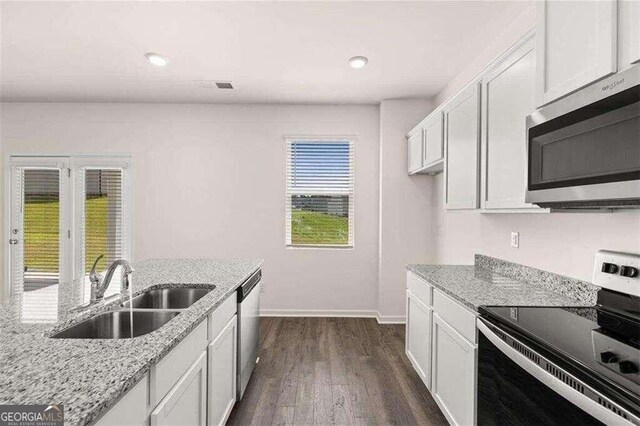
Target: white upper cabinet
(462, 140)
(433, 139)
(414, 148)
(508, 97)
(628, 33)
(576, 45)
(634, 43)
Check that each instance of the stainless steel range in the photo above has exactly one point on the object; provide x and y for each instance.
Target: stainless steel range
(541, 365)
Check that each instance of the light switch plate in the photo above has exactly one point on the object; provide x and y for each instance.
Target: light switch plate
(515, 239)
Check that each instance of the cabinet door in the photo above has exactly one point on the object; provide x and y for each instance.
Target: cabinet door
(185, 404)
(415, 151)
(132, 409)
(633, 23)
(576, 45)
(462, 140)
(222, 373)
(454, 373)
(433, 140)
(418, 337)
(508, 92)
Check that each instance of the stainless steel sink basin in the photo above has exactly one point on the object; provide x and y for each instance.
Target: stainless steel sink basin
(167, 298)
(117, 325)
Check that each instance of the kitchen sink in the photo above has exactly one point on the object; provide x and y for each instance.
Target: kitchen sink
(167, 298)
(117, 325)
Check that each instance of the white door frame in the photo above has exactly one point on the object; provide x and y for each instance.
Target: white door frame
(68, 190)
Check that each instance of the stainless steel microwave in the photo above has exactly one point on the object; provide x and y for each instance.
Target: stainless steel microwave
(584, 150)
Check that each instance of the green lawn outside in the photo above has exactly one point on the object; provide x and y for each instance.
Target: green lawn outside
(41, 225)
(316, 228)
(308, 228)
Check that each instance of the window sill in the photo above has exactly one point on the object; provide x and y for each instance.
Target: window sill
(317, 247)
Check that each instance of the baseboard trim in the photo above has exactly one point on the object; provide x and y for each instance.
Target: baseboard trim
(333, 313)
(390, 319)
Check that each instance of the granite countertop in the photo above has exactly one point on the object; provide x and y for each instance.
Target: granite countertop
(89, 375)
(476, 286)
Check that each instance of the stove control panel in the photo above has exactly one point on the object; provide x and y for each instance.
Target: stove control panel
(616, 355)
(617, 271)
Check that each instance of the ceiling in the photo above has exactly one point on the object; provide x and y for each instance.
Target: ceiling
(273, 52)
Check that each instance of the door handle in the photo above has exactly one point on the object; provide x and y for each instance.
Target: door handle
(13, 241)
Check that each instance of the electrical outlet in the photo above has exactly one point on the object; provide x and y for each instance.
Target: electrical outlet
(515, 239)
(261, 287)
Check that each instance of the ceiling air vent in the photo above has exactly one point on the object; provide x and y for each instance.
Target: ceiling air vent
(211, 84)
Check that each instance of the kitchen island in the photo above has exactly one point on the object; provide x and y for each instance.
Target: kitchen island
(89, 376)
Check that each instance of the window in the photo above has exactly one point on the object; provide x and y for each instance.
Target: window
(64, 212)
(319, 204)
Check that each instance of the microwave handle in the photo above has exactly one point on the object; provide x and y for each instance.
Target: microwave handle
(586, 403)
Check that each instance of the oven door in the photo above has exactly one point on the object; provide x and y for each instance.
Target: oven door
(516, 386)
(579, 153)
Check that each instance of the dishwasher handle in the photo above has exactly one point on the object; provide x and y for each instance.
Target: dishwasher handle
(249, 285)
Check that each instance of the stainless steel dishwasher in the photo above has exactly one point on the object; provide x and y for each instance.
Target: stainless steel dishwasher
(248, 329)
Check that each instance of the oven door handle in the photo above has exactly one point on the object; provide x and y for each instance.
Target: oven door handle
(572, 395)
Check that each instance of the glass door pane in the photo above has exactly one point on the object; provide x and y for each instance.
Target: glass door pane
(41, 228)
(103, 223)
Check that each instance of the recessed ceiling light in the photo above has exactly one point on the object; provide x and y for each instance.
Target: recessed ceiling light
(358, 61)
(157, 59)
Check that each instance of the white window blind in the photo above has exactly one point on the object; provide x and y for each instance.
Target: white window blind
(41, 227)
(101, 217)
(319, 204)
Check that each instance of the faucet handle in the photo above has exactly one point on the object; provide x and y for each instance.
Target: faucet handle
(94, 276)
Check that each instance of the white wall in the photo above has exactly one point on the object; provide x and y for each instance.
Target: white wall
(512, 33)
(405, 213)
(564, 243)
(209, 181)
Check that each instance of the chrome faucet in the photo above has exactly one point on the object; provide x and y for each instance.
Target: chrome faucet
(99, 284)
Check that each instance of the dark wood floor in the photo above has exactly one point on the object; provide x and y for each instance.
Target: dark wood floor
(334, 371)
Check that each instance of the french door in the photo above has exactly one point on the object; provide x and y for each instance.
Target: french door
(64, 213)
(40, 228)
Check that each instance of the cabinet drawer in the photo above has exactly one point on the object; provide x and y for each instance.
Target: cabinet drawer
(219, 318)
(458, 317)
(168, 371)
(419, 287)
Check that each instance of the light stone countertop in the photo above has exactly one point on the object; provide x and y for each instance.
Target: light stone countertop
(89, 375)
(475, 286)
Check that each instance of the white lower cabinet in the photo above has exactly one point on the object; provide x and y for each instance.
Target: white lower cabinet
(222, 354)
(454, 373)
(186, 403)
(418, 337)
(194, 384)
(132, 409)
(441, 343)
